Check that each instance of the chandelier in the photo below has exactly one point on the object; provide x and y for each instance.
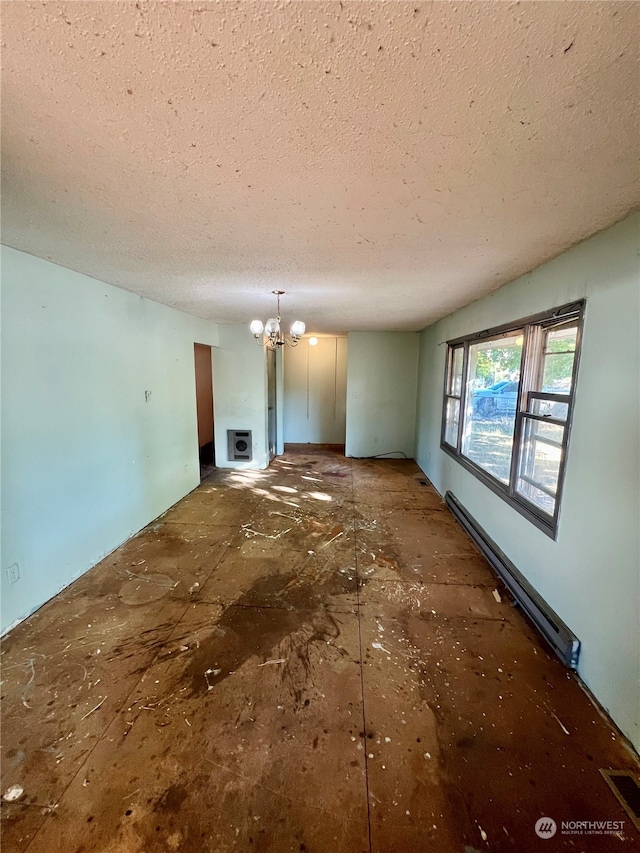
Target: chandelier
(271, 333)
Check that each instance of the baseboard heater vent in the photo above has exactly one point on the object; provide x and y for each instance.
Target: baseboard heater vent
(561, 639)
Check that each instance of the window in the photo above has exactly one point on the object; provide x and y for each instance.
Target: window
(490, 421)
(508, 405)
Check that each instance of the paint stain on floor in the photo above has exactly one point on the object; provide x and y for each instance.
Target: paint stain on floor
(311, 658)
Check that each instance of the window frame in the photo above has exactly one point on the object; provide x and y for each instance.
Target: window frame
(461, 398)
(530, 379)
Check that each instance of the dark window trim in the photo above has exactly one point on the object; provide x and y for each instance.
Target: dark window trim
(447, 396)
(567, 310)
(530, 325)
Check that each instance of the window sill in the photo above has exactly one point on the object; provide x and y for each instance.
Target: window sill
(549, 528)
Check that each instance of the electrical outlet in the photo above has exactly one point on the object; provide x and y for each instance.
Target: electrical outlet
(186, 469)
(13, 573)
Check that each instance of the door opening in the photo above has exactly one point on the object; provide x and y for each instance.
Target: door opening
(204, 407)
(271, 403)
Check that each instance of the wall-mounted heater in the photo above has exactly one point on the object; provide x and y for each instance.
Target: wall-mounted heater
(561, 639)
(239, 444)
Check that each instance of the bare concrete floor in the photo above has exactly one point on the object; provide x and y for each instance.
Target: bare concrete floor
(309, 658)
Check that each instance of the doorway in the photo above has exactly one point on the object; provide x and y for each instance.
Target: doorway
(204, 407)
(272, 431)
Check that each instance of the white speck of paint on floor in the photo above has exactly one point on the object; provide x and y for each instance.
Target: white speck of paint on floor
(13, 793)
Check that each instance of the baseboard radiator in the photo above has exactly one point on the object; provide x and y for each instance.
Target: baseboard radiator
(561, 639)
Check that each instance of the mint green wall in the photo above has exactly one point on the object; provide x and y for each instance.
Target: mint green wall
(591, 574)
(86, 462)
(315, 380)
(239, 394)
(382, 374)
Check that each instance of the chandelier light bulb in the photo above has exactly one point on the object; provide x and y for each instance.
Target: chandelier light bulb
(270, 334)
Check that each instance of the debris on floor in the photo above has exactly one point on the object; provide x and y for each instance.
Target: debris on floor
(398, 705)
(13, 793)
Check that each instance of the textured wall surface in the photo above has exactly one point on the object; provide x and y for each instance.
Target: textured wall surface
(590, 574)
(383, 163)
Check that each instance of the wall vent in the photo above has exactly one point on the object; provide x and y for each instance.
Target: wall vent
(561, 639)
(239, 444)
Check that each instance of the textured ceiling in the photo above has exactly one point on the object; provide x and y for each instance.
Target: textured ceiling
(382, 163)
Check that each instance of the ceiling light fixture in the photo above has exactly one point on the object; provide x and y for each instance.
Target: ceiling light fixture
(271, 333)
